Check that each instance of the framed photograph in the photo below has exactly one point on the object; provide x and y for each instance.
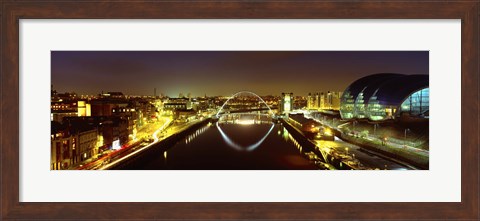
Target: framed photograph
(239, 110)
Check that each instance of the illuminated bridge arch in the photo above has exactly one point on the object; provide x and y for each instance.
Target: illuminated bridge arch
(241, 92)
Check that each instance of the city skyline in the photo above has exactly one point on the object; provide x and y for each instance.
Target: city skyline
(221, 73)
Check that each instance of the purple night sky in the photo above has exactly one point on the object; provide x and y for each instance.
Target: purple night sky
(224, 72)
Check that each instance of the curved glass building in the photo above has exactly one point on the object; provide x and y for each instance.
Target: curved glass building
(386, 96)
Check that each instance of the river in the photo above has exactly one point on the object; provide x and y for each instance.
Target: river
(241, 144)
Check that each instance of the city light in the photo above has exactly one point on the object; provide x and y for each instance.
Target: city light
(116, 145)
(328, 131)
(155, 134)
(245, 122)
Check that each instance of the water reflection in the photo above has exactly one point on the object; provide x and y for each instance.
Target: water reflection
(192, 136)
(165, 157)
(283, 132)
(239, 147)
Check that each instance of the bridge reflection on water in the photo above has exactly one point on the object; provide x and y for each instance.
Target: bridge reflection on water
(245, 119)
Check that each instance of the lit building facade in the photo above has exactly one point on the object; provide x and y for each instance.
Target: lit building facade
(58, 115)
(87, 143)
(62, 146)
(286, 103)
(84, 109)
(306, 125)
(324, 101)
(174, 104)
(386, 96)
(313, 101)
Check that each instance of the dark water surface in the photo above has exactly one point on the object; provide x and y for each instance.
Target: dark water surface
(239, 146)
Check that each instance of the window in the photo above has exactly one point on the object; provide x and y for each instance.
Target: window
(417, 103)
(347, 106)
(376, 111)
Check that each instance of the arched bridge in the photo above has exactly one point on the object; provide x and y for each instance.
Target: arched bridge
(224, 135)
(270, 112)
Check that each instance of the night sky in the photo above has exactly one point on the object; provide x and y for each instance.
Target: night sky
(224, 72)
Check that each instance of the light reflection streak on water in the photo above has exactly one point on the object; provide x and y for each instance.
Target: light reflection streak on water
(289, 137)
(190, 137)
(295, 142)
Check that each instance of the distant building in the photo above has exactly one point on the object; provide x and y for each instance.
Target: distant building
(58, 115)
(286, 103)
(62, 97)
(332, 101)
(314, 101)
(68, 108)
(64, 106)
(84, 109)
(106, 106)
(135, 110)
(113, 95)
(174, 104)
(299, 102)
(310, 101)
(324, 101)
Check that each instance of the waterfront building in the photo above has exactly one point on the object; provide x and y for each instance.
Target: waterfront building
(306, 125)
(386, 96)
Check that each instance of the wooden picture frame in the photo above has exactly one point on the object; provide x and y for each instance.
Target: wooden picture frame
(12, 11)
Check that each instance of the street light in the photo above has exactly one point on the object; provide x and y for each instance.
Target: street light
(346, 149)
(353, 126)
(405, 140)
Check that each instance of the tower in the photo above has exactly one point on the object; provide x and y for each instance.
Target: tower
(286, 103)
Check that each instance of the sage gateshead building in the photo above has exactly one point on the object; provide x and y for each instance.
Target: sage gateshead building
(386, 96)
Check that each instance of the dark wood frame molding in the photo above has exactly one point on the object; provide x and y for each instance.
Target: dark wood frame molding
(12, 11)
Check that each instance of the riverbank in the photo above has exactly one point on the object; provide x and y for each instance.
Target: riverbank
(172, 136)
(411, 156)
(331, 158)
